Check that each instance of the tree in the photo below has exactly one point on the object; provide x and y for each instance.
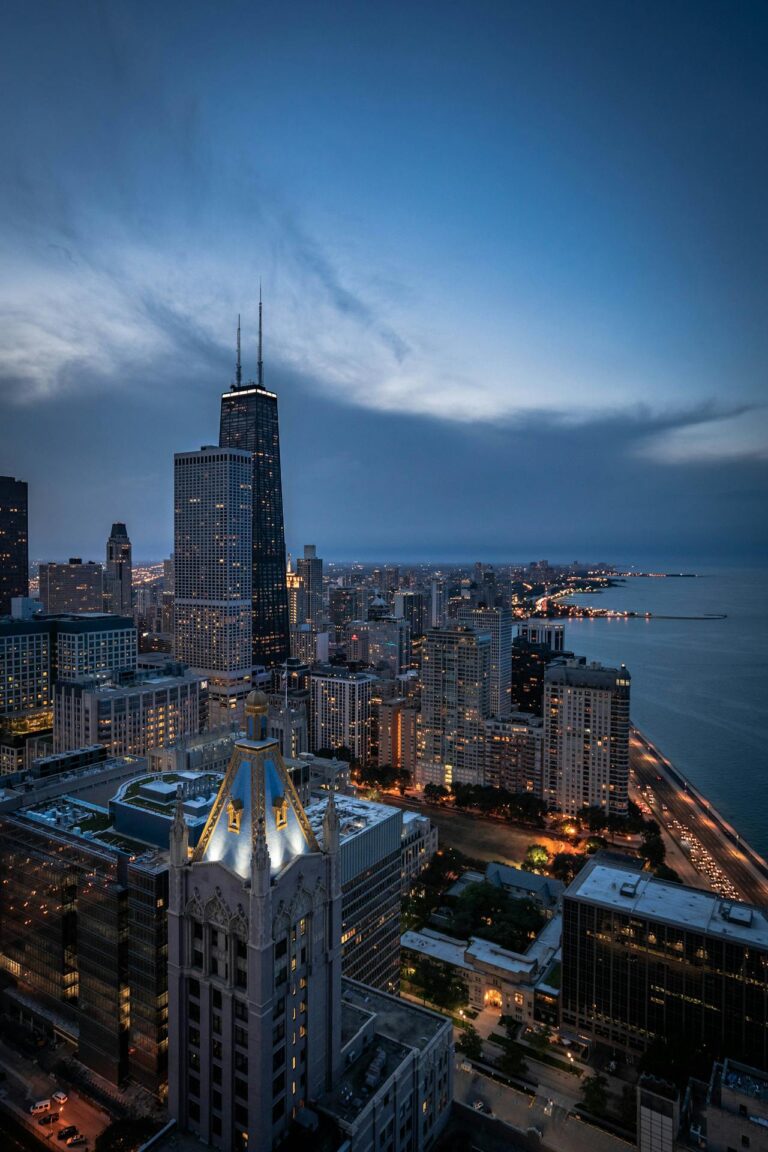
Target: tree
(470, 1043)
(403, 779)
(664, 872)
(540, 1041)
(441, 985)
(652, 849)
(594, 1094)
(565, 865)
(125, 1135)
(484, 910)
(512, 1062)
(435, 793)
(536, 856)
(595, 818)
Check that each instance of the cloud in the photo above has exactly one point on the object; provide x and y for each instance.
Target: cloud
(711, 436)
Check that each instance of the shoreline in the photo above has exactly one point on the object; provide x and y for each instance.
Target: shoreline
(702, 810)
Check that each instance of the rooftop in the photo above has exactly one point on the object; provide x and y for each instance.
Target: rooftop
(437, 947)
(397, 1019)
(624, 889)
(745, 1081)
(355, 816)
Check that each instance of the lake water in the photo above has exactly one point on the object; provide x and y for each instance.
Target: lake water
(699, 687)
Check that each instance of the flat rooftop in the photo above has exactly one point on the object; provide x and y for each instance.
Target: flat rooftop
(745, 1081)
(399, 1020)
(438, 947)
(355, 816)
(624, 889)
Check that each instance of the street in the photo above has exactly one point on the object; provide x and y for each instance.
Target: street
(26, 1082)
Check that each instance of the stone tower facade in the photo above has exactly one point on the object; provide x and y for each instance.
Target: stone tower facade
(254, 954)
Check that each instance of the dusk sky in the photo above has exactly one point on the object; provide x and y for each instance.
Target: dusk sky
(514, 260)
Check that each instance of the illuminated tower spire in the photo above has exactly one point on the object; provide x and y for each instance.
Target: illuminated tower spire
(238, 367)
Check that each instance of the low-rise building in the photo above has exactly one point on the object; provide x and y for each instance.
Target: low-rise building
(495, 977)
(730, 1113)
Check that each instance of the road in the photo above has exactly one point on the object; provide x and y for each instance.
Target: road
(26, 1082)
(560, 1129)
(482, 837)
(690, 817)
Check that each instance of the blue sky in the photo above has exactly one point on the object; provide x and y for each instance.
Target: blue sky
(513, 255)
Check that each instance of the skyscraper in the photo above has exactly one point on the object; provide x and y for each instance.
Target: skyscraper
(213, 557)
(309, 568)
(586, 737)
(249, 422)
(14, 549)
(118, 577)
(498, 622)
(72, 587)
(455, 703)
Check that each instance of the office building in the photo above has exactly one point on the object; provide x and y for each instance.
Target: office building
(643, 958)
(309, 569)
(83, 909)
(455, 703)
(342, 610)
(543, 632)
(384, 645)
(341, 709)
(129, 718)
(297, 602)
(288, 723)
(34, 653)
(497, 622)
(249, 422)
(370, 851)
(419, 845)
(213, 568)
(586, 737)
(264, 1035)
(14, 537)
(118, 575)
(411, 606)
(529, 663)
(727, 1114)
(514, 752)
(72, 587)
(658, 1115)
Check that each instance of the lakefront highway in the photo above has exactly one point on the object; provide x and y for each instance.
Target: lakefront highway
(724, 860)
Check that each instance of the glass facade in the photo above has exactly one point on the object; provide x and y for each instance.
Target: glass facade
(249, 421)
(627, 979)
(14, 550)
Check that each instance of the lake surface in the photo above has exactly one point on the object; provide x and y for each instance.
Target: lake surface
(699, 687)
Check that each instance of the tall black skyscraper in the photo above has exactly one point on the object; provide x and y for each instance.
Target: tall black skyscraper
(14, 547)
(249, 421)
(118, 590)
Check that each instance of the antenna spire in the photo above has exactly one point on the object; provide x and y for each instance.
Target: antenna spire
(238, 367)
(260, 375)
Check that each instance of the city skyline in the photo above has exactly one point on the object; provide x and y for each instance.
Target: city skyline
(486, 242)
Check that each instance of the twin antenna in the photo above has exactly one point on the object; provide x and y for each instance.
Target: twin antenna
(260, 364)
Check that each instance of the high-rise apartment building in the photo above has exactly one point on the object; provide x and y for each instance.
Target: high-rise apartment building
(498, 623)
(297, 612)
(455, 703)
(437, 604)
(586, 737)
(643, 958)
(309, 569)
(342, 605)
(530, 660)
(396, 722)
(213, 570)
(72, 587)
(514, 752)
(118, 576)
(341, 709)
(14, 537)
(249, 422)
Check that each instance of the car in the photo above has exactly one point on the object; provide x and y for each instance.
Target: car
(75, 1140)
(65, 1133)
(40, 1106)
(49, 1118)
(60, 1097)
